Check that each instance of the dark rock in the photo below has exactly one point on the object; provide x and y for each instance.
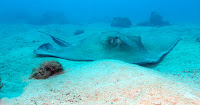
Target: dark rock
(50, 17)
(198, 39)
(46, 69)
(121, 22)
(78, 32)
(155, 20)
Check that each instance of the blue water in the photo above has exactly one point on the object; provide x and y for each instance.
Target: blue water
(100, 10)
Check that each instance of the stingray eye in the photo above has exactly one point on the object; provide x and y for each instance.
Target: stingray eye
(111, 41)
(118, 41)
(114, 41)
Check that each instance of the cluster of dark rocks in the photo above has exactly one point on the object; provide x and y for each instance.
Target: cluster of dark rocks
(155, 20)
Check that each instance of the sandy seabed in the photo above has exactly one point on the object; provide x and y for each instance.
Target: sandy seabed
(174, 81)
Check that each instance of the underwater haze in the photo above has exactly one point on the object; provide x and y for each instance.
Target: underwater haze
(100, 10)
(99, 52)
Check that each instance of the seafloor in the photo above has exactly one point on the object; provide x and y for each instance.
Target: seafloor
(173, 81)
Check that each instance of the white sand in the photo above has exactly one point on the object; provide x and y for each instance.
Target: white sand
(107, 82)
(99, 82)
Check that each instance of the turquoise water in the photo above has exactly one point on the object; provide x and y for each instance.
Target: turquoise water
(27, 24)
(99, 10)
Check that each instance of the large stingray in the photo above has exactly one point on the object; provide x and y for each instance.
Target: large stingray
(112, 45)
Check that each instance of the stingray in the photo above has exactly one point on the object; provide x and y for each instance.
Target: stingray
(111, 45)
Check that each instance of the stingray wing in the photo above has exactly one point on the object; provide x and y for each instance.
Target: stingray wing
(45, 50)
(159, 46)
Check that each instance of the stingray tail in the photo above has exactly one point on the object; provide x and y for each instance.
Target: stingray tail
(45, 50)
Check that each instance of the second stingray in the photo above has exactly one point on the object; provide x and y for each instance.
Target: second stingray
(112, 45)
